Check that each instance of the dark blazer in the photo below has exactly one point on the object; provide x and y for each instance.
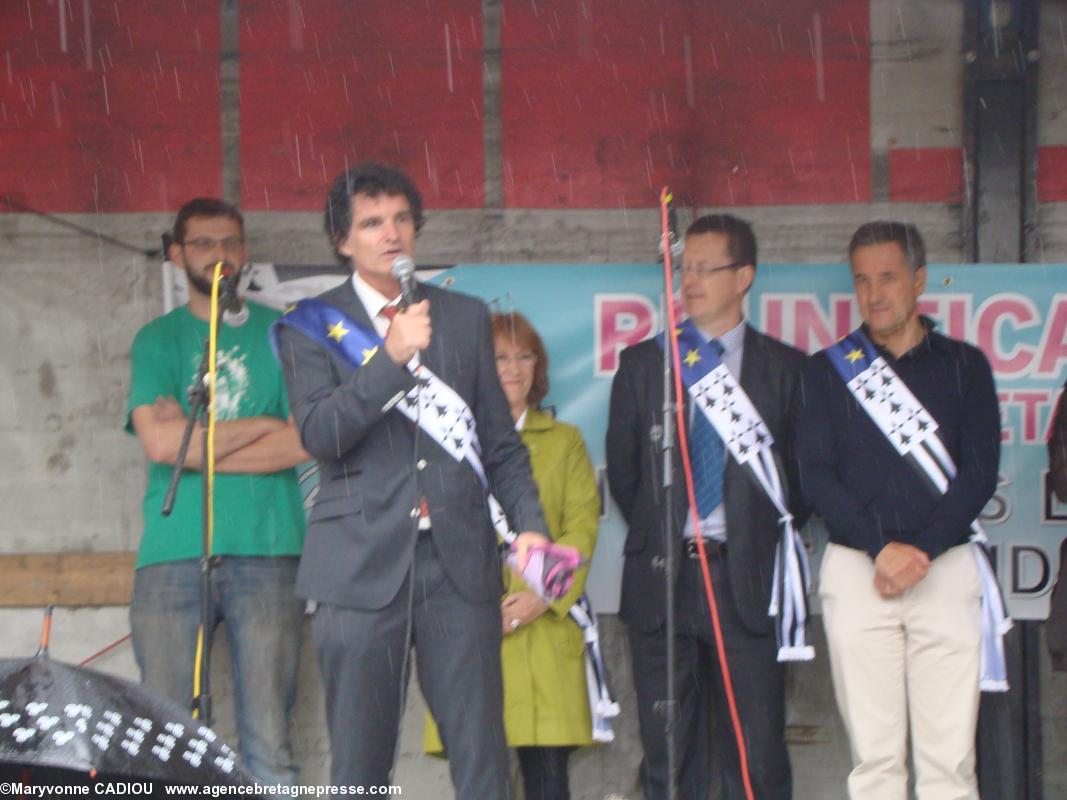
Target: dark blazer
(374, 468)
(1056, 628)
(770, 373)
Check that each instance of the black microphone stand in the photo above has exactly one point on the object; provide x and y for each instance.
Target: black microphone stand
(198, 408)
(662, 436)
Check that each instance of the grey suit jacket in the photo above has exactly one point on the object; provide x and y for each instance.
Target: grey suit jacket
(375, 467)
(770, 373)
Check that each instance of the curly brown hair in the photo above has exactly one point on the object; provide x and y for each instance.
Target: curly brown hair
(516, 328)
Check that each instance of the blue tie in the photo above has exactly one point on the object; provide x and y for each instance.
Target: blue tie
(708, 458)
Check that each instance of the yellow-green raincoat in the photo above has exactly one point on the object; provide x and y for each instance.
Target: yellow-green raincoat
(546, 702)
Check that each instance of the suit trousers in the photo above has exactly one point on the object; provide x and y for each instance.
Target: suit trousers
(911, 659)
(759, 689)
(544, 772)
(457, 655)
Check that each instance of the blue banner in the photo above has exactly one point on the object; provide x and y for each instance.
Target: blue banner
(588, 313)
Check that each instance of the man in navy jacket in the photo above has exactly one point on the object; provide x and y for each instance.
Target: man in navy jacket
(900, 586)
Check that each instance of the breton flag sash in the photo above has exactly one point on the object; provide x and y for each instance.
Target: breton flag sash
(716, 393)
(439, 412)
(912, 431)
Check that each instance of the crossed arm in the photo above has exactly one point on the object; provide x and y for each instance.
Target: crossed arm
(249, 445)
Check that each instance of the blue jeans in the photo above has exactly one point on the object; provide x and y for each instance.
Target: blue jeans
(264, 621)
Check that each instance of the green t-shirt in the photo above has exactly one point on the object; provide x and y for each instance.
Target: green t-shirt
(255, 514)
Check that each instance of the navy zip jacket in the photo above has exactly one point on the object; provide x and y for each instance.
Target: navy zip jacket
(866, 491)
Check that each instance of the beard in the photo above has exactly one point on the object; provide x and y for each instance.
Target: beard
(201, 280)
(200, 283)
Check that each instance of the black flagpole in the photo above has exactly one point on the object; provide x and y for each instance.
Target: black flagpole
(663, 436)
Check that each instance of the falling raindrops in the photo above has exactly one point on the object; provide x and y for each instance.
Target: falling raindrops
(62, 15)
(448, 61)
(820, 85)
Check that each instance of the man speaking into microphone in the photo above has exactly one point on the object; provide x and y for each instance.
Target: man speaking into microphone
(396, 394)
(258, 514)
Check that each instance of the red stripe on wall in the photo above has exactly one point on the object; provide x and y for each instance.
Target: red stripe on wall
(729, 103)
(325, 85)
(113, 112)
(926, 175)
(1052, 174)
(935, 175)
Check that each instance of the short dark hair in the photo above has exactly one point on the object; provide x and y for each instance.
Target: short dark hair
(204, 207)
(903, 234)
(372, 179)
(741, 240)
(515, 327)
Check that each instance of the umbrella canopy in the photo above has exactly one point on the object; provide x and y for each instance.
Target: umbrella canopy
(56, 715)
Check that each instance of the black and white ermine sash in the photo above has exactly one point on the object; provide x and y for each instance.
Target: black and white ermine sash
(716, 393)
(439, 412)
(444, 416)
(912, 431)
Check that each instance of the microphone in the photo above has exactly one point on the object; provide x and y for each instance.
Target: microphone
(236, 319)
(228, 297)
(403, 269)
(676, 244)
(234, 312)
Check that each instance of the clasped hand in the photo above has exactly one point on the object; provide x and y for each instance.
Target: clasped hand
(520, 608)
(898, 567)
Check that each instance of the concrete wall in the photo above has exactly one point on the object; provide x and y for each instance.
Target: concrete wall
(71, 479)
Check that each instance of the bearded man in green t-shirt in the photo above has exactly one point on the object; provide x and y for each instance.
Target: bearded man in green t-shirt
(258, 514)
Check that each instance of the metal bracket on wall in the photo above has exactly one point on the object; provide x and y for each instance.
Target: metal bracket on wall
(1000, 226)
(999, 130)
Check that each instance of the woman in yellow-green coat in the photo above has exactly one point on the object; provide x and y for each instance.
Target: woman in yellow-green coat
(546, 702)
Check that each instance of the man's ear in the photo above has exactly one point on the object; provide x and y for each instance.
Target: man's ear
(746, 276)
(176, 254)
(919, 280)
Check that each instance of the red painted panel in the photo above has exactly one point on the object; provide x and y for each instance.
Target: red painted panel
(1052, 174)
(327, 84)
(926, 175)
(104, 108)
(730, 103)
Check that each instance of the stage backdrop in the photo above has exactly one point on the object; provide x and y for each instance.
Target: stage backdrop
(588, 313)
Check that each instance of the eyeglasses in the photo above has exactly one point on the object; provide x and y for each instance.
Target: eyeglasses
(522, 359)
(204, 244)
(705, 272)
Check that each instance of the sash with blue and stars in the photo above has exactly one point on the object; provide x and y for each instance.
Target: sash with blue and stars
(715, 392)
(912, 431)
(445, 417)
(431, 404)
(331, 328)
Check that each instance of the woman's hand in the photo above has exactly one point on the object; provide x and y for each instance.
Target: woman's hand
(520, 608)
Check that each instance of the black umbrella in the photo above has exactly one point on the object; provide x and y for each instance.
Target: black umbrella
(57, 715)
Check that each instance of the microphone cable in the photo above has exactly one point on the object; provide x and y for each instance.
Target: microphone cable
(416, 517)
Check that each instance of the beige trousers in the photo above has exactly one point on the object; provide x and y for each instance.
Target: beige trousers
(910, 660)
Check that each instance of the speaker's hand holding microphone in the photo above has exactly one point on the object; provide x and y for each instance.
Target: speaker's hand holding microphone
(410, 329)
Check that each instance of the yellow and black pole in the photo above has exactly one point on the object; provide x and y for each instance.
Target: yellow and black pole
(202, 404)
(201, 672)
